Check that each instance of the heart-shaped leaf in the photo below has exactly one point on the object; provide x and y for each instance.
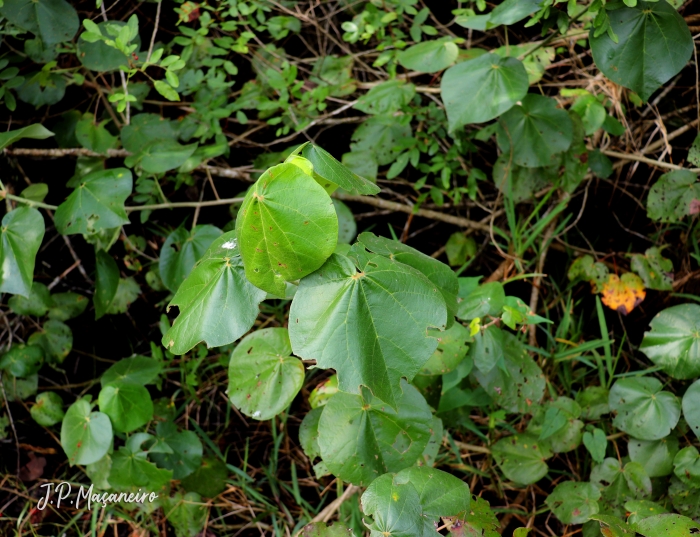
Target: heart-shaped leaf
(573, 502)
(691, 407)
(21, 234)
(286, 228)
(441, 494)
(185, 450)
(481, 89)
(521, 458)
(135, 370)
(535, 131)
(361, 437)
(686, 466)
(129, 406)
(333, 171)
(429, 56)
(395, 508)
(217, 303)
(674, 341)
(48, 409)
(653, 44)
(644, 411)
(368, 318)
(262, 376)
(675, 195)
(670, 525)
(656, 456)
(85, 435)
(97, 203)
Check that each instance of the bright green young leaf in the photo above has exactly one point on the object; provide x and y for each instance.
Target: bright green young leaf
(182, 249)
(641, 509)
(675, 195)
(55, 338)
(669, 525)
(385, 98)
(65, 306)
(521, 458)
(573, 502)
(591, 112)
(517, 385)
(22, 360)
(135, 370)
(129, 406)
(482, 89)
(441, 494)
(53, 20)
(368, 319)
(656, 456)
(166, 90)
(361, 437)
(217, 303)
(438, 273)
(535, 131)
(395, 508)
(36, 131)
(655, 270)
(286, 228)
(85, 435)
(35, 192)
(596, 443)
(487, 299)
(653, 44)
(643, 410)
(452, 347)
(21, 233)
(185, 454)
(674, 341)
(686, 466)
(106, 282)
(691, 407)
(263, 378)
(37, 303)
(429, 56)
(97, 203)
(48, 409)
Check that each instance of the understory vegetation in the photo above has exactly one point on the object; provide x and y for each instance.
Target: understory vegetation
(394, 268)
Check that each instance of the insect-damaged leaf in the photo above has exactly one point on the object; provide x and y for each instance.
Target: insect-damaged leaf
(361, 437)
(655, 270)
(368, 318)
(286, 227)
(521, 458)
(217, 303)
(573, 502)
(262, 377)
(97, 203)
(675, 195)
(623, 294)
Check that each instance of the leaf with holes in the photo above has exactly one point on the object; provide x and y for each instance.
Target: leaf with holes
(182, 249)
(655, 270)
(674, 341)
(674, 196)
(452, 347)
(361, 437)
(573, 502)
(395, 508)
(286, 228)
(97, 203)
(623, 294)
(262, 377)
(48, 409)
(217, 303)
(521, 458)
(686, 466)
(670, 525)
(367, 317)
(643, 410)
(653, 44)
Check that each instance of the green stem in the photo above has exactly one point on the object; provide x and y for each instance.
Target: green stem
(31, 203)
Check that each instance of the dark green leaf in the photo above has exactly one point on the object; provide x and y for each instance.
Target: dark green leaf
(653, 44)
(53, 20)
(37, 304)
(55, 338)
(429, 56)
(182, 249)
(94, 136)
(106, 282)
(65, 306)
(385, 98)
(186, 450)
(691, 407)
(145, 128)
(22, 360)
(670, 525)
(487, 299)
(135, 370)
(129, 406)
(451, 350)
(521, 458)
(208, 480)
(655, 270)
(573, 502)
(675, 195)
(48, 409)
(643, 410)
(36, 131)
(686, 466)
